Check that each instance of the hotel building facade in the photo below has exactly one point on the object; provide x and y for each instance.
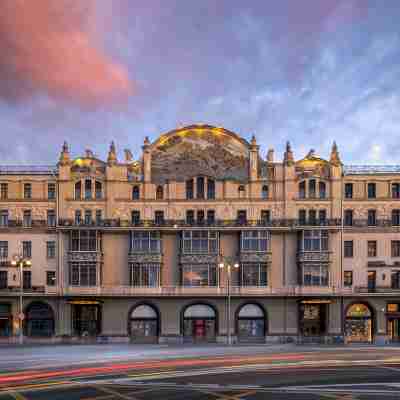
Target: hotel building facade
(198, 234)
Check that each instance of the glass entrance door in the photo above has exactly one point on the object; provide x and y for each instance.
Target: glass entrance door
(394, 329)
(199, 330)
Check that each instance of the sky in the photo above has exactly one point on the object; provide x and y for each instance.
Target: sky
(309, 71)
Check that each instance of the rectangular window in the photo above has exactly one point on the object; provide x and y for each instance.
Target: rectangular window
(88, 217)
(200, 216)
(4, 191)
(99, 217)
(83, 274)
(311, 188)
(98, 190)
(348, 248)
(189, 189)
(348, 278)
(84, 241)
(254, 274)
(254, 241)
(322, 217)
(78, 217)
(27, 219)
(210, 189)
(199, 275)
(135, 216)
(27, 191)
(27, 279)
(200, 187)
(348, 217)
(51, 191)
(51, 218)
(3, 249)
(372, 248)
(145, 242)
(396, 217)
(396, 190)
(88, 189)
(315, 240)
(4, 218)
(194, 242)
(371, 280)
(371, 190)
(371, 218)
(27, 249)
(50, 278)
(302, 217)
(3, 279)
(210, 217)
(315, 275)
(265, 216)
(348, 190)
(395, 280)
(302, 190)
(312, 215)
(190, 217)
(242, 217)
(395, 248)
(159, 217)
(51, 249)
(145, 275)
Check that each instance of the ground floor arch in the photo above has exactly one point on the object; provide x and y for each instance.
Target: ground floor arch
(251, 323)
(39, 320)
(144, 323)
(359, 323)
(199, 323)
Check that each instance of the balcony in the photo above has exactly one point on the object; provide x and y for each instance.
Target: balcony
(313, 256)
(85, 256)
(379, 223)
(183, 224)
(378, 290)
(35, 223)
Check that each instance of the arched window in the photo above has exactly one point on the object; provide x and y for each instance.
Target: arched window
(311, 188)
(135, 193)
(144, 324)
(39, 320)
(210, 189)
(265, 192)
(78, 190)
(88, 189)
(159, 193)
(98, 190)
(241, 191)
(322, 190)
(200, 187)
(359, 323)
(251, 323)
(189, 189)
(199, 323)
(302, 190)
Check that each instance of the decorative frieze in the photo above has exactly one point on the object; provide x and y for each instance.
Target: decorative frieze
(85, 256)
(255, 257)
(199, 258)
(145, 258)
(313, 256)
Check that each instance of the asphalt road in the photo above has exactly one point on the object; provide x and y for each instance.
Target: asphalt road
(211, 372)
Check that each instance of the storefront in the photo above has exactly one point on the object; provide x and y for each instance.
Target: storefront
(199, 323)
(358, 324)
(393, 322)
(86, 317)
(144, 324)
(39, 320)
(313, 318)
(5, 319)
(251, 323)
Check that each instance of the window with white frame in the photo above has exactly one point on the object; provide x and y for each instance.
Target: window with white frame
(199, 242)
(145, 242)
(147, 275)
(315, 275)
(254, 274)
(199, 275)
(255, 240)
(314, 240)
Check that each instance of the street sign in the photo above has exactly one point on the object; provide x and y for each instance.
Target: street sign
(21, 316)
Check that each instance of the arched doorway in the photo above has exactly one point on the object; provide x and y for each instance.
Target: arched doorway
(251, 323)
(359, 323)
(39, 320)
(144, 324)
(199, 323)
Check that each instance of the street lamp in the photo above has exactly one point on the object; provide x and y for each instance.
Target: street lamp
(227, 262)
(21, 262)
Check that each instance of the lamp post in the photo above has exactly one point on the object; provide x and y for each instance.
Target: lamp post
(227, 262)
(20, 261)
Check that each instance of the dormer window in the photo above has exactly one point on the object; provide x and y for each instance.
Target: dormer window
(159, 193)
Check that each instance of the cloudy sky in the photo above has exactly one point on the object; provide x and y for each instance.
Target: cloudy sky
(309, 71)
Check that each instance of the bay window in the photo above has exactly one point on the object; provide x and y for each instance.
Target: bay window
(315, 275)
(199, 242)
(254, 274)
(254, 241)
(199, 275)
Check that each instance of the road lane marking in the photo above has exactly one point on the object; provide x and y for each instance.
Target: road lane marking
(17, 396)
(114, 393)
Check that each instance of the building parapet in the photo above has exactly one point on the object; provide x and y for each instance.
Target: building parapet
(85, 256)
(313, 256)
(255, 257)
(143, 258)
(198, 258)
